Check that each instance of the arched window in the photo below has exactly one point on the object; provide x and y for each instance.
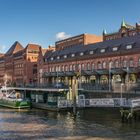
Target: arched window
(139, 62)
(99, 65)
(116, 64)
(93, 66)
(79, 67)
(56, 68)
(52, 69)
(70, 67)
(111, 64)
(62, 68)
(131, 62)
(88, 66)
(59, 68)
(66, 68)
(73, 67)
(124, 63)
(83, 66)
(104, 65)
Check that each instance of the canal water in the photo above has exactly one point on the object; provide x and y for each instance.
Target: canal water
(89, 124)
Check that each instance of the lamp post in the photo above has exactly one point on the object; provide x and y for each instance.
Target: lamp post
(109, 77)
(57, 78)
(121, 92)
(127, 78)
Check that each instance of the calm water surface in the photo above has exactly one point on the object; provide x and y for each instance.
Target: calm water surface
(90, 124)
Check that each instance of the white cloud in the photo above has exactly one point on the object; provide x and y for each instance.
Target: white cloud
(62, 35)
(3, 49)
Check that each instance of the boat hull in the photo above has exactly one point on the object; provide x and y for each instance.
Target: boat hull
(15, 104)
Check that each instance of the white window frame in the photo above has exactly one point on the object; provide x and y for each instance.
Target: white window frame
(129, 46)
(102, 50)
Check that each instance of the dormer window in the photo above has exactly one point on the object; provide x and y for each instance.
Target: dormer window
(102, 50)
(65, 56)
(51, 58)
(73, 55)
(129, 46)
(115, 49)
(58, 57)
(81, 54)
(91, 52)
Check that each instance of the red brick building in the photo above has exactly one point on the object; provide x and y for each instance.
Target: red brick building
(19, 65)
(102, 65)
(125, 30)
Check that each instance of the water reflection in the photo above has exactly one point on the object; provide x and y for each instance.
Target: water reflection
(88, 124)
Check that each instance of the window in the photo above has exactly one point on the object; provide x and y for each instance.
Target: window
(93, 67)
(73, 55)
(129, 46)
(131, 62)
(116, 64)
(88, 66)
(115, 49)
(83, 66)
(62, 68)
(79, 67)
(56, 68)
(80, 40)
(70, 67)
(104, 65)
(65, 56)
(73, 67)
(139, 62)
(59, 68)
(91, 52)
(102, 50)
(124, 63)
(66, 68)
(111, 64)
(52, 69)
(81, 53)
(99, 65)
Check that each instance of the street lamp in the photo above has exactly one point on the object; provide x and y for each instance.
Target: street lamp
(109, 77)
(127, 78)
(121, 92)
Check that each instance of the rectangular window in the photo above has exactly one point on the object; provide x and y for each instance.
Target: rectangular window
(65, 56)
(91, 52)
(102, 50)
(115, 48)
(81, 53)
(129, 46)
(73, 55)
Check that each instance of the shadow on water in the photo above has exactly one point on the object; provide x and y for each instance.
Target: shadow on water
(90, 123)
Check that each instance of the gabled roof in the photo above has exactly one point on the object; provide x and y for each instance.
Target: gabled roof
(14, 48)
(33, 46)
(43, 51)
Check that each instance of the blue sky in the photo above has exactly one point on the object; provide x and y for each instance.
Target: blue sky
(45, 21)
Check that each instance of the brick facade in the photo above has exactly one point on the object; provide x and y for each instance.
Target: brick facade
(19, 65)
(117, 59)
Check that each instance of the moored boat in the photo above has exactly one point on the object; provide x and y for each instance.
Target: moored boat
(12, 99)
